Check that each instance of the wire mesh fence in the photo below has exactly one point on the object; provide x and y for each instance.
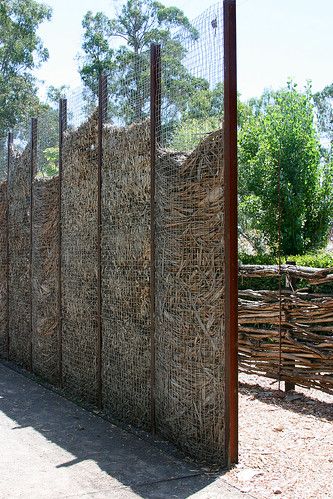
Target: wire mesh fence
(19, 281)
(120, 242)
(125, 249)
(189, 250)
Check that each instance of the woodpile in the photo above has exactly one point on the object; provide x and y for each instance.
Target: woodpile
(301, 350)
(79, 261)
(126, 273)
(45, 260)
(19, 261)
(3, 269)
(189, 299)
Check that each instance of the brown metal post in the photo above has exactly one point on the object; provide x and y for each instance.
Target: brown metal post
(102, 116)
(230, 230)
(155, 138)
(62, 129)
(33, 171)
(9, 154)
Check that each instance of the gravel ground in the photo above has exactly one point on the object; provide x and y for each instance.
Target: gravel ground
(286, 441)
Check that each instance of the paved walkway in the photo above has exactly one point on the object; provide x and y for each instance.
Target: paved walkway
(51, 448)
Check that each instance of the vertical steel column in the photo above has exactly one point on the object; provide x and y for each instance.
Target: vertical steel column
(155, 138)
(33, 171)
(230, 229)
(9, 154)
(102, 116)
(62, 129)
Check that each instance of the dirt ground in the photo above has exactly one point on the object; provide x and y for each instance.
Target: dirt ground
(286, 441)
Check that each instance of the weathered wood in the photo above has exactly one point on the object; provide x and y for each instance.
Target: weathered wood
(307, 328)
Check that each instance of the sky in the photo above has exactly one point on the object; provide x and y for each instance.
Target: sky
(276, 40)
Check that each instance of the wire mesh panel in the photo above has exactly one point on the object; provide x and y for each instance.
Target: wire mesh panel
(3, 268)
(126, 252)
(190, 359)
(19, 257)
(45, 317)
(79, 261)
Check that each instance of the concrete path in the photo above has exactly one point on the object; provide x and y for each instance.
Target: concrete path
(51, 448)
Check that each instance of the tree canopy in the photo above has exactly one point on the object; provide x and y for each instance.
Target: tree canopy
(279, 148)
(21, 51)
(138, 24)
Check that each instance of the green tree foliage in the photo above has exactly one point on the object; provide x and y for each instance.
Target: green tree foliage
(280, 136)
(202, 114)
(138, 24)
(21, 51)
(324, 105)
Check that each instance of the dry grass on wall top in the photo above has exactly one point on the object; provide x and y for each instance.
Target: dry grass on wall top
(190, 331)
(45, 278)
(3, 269)
(19, 269)
(126, 273)
(79, 261)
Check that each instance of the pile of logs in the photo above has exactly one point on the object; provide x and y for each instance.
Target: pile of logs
(287, 334)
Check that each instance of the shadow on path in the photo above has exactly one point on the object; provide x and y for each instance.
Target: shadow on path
(132, 463)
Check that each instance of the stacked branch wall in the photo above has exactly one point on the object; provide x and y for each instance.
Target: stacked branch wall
(189, 300)
(126, 359)
(45, 258)
(79, 262)
(19, 262)
(3, 269)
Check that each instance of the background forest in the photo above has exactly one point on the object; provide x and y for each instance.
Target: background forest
(285, 135)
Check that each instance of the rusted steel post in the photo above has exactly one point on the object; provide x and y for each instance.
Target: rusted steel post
(102, 116)
(62, 129)
(230, 230)
(9, 155)
(155, 138)
(290, 284)
(33, 171)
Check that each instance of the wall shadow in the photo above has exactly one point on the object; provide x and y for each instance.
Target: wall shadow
(136, 463)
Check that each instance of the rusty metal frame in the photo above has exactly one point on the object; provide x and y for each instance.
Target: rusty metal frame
(230, 231)
(33, 171)
(155, 136)
(102, 116)
(9, 154)
(62, 129)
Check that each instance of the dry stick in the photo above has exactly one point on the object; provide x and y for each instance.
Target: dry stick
(279, 254)
(288, 386)
(9, 152)
(62, 129)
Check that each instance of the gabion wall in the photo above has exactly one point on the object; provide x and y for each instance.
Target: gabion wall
(19, 258)
(45, 266)
(3, 269)
(79, 262)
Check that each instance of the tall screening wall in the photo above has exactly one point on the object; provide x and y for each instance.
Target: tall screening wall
(3, 269)
(190, 340)
(45, 290)
(126, 360)
(189, 301)
(19, 262)
(79, 262)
